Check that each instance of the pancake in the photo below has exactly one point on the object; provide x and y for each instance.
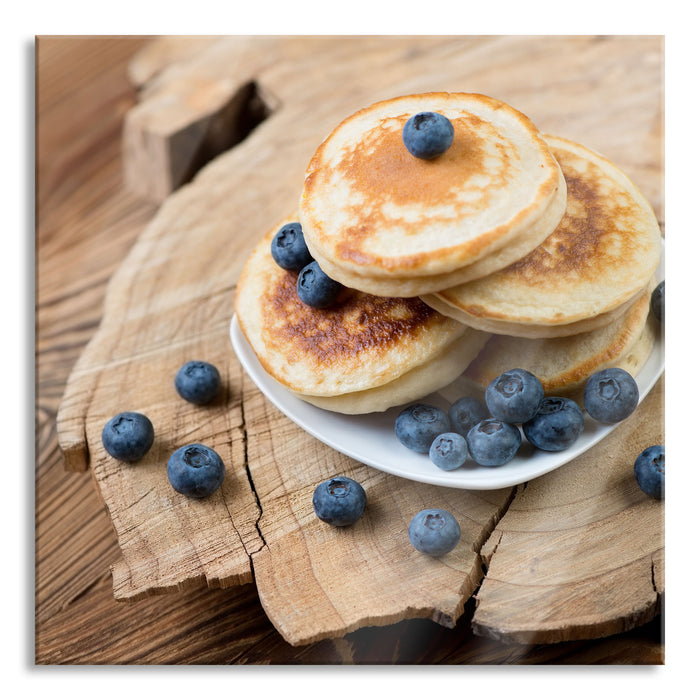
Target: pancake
(406, 286)
(380, 220)
(587, 273)
(362, 354)
(564, 364)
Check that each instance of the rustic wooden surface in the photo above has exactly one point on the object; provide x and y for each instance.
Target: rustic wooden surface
(87, 223)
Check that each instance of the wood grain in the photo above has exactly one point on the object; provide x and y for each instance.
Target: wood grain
(81, 206)
(171, 611)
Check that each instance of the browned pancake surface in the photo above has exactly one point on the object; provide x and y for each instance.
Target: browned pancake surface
(357, 323)
(360, 342)
(596, 233)
(601, 256)
(371, 208)
(381, 171)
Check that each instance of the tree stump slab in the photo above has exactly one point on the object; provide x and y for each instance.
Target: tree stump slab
(222, 134)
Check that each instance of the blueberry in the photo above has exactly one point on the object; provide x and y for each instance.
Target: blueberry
(289, 248)
(195, 470)
(449, 451)
(434, 531)
(128, 436)
(493, 442)
(427, 135)
(514, 396)
(315, 288)
(650, 471)
(610, 395)
(198, 382)
(339, 501)
(556, 425)
(658, 301)
(419, 424)
(465, 413)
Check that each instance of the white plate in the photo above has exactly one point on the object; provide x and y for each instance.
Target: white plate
(370, 438)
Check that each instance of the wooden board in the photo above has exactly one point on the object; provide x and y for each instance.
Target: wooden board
(171, 300)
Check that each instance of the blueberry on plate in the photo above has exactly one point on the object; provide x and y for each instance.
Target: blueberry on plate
(339, 501)
(514, 395)
(198, 382)
(128, 436)
(434, 531)
(315, 288)
(650, 471)
(427, 135)
(419, 424)
(449, 451)
(195, 470)
(465, 413)
(289, 248)
(493, 442)
(610, 395)
(658, 301)
(556, 425)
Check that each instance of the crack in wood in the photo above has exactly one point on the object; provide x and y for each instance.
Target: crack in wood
(252, 488)
(488, 531)
(228, 127)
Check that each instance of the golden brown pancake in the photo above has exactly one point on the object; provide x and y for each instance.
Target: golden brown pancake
(362, 354)
(564, 364)
(588, 272)
(410, 286)
(379, 219)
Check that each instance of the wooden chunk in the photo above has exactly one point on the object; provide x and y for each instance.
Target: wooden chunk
(203, 104)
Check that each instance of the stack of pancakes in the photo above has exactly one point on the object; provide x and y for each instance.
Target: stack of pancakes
(364, 353)
(511, 249)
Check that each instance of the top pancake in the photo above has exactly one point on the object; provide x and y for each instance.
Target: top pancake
(586, 273)
(372, 210)
(358, 344)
